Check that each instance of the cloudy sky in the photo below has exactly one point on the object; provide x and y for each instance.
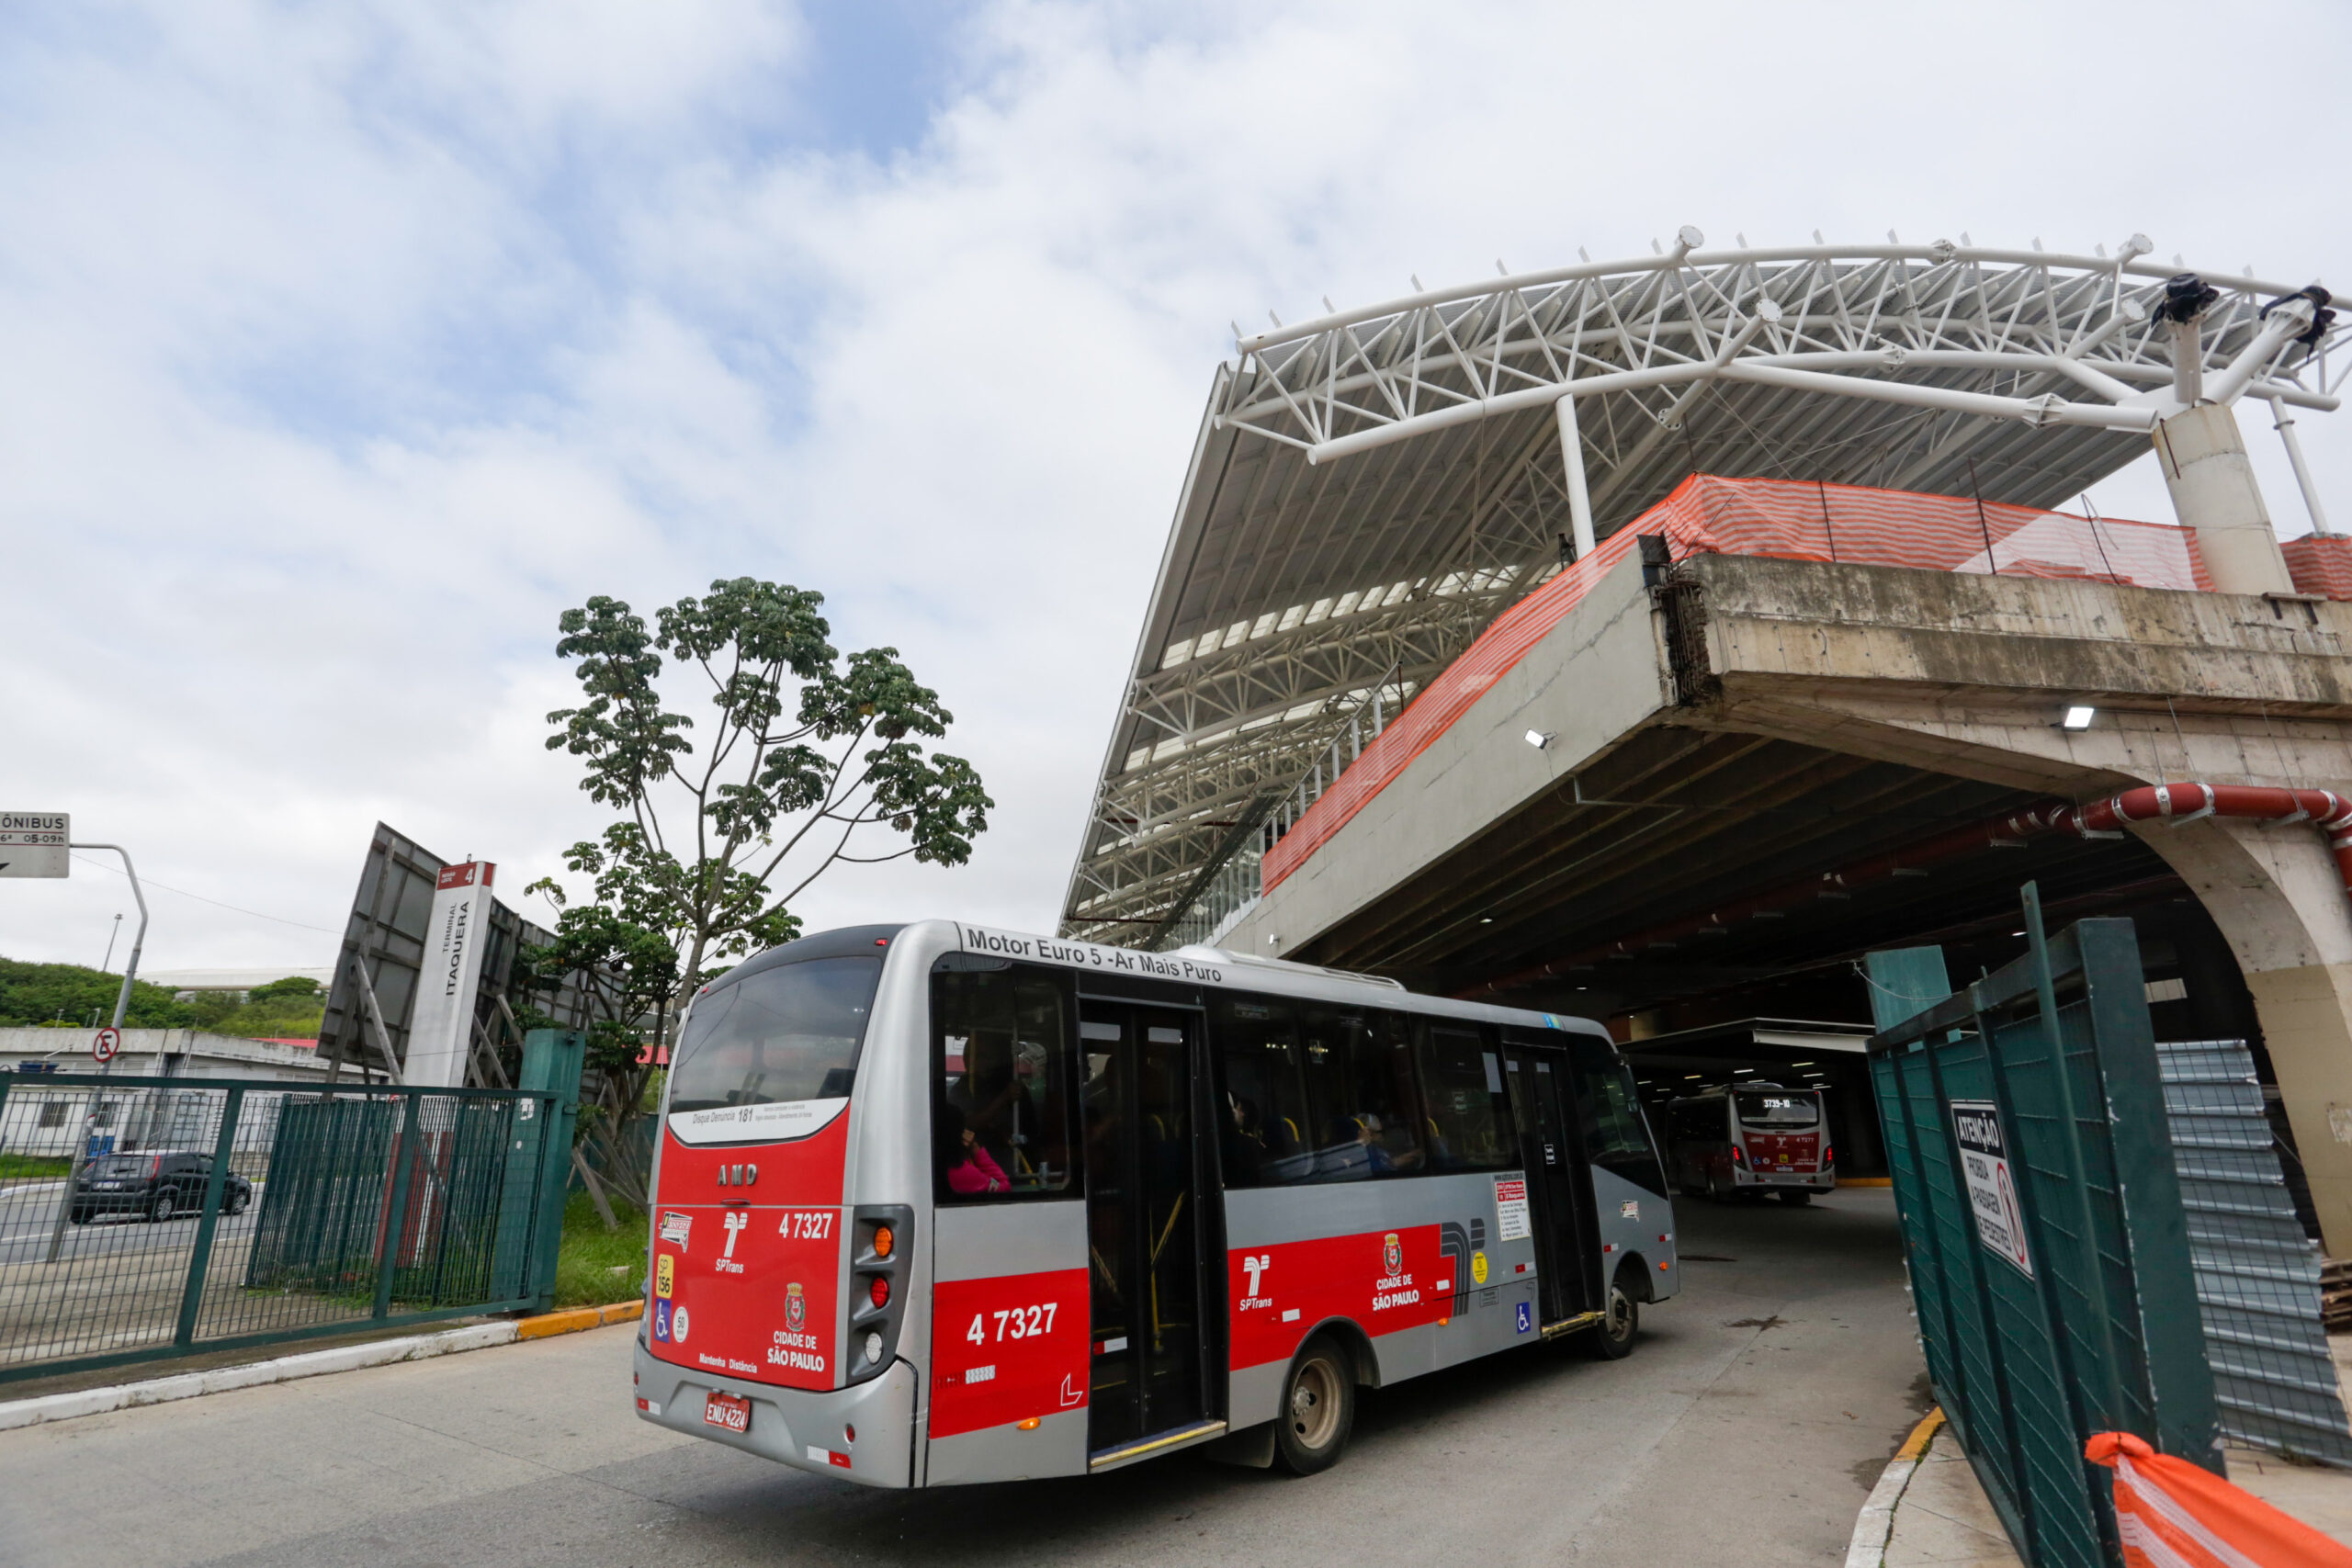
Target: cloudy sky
(343, 346)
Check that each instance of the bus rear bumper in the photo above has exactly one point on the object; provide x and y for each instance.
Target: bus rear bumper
(805, 1429)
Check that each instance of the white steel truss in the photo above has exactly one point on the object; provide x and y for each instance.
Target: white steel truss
(1370, 489)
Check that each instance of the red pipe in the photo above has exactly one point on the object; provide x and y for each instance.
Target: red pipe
(2187, 802)
(2104, 819)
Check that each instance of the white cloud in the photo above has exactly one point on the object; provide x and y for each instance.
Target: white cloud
(339, 351)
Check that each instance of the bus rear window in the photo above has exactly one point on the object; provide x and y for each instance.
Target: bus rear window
(784, 1034)
(1764, 1109)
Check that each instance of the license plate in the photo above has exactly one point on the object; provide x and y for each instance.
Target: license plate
(726, 1410)
(109, 1186)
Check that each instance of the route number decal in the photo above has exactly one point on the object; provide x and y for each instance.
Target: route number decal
(807, 1224)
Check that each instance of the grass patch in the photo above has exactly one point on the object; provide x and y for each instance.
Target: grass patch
(18, 1168)
(586, 1263)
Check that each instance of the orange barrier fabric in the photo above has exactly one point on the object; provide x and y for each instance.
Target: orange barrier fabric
(1792, 521)
(2170, 1514)
(2321, 564)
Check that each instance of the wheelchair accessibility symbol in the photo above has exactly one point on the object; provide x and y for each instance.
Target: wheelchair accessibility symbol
(1526, 1316)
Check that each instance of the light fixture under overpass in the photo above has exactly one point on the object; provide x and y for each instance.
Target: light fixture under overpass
(2078, 718)
(1304, 600)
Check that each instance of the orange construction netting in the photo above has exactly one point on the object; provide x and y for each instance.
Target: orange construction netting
(1794, 521)
(2170, 1514)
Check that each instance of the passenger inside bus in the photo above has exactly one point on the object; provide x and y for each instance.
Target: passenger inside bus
(1245, 1152)
(969, 1167)
(1374, 1138)
(988, 1095)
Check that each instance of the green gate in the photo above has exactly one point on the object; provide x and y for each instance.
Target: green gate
(2041, 1219)
(160, 1217)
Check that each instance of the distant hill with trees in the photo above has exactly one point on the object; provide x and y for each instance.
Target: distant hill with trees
(69, 994)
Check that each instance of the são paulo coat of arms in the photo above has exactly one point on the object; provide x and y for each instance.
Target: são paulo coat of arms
(1392, 1254)
(796, 1308)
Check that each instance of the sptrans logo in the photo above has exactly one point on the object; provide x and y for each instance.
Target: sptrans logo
(796, 1308)
(1392, 1254)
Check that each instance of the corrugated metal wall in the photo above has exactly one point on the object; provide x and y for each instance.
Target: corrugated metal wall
(2257, 1273)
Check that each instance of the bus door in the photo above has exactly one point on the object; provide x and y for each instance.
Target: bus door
(1143, 1211)
(1560, 1188)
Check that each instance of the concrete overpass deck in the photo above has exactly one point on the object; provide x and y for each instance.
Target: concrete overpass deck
(1724, 740)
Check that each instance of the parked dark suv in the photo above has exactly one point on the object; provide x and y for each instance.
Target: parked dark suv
(160, 1186)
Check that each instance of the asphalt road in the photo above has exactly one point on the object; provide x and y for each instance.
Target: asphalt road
(28, 1217)
(1748, 1428)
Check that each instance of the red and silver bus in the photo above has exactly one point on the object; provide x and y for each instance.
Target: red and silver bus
(1746, 1140)
(939, 1203)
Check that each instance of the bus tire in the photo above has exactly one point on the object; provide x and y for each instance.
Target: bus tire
(1612, 1338)
(1319, 1408)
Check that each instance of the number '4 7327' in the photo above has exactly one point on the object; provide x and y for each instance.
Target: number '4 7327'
(1013, 1322)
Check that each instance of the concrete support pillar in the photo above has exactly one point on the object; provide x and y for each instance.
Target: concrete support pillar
(1571, 459)
(2214, 494)
(2277, 897)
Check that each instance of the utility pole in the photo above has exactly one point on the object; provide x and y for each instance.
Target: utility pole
(121, 1006)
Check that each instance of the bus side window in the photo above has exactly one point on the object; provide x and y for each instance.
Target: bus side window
(1003, 1063)
(1462, 1083)
(1266, 1129)
(1360, 1091)
(1616, 1138)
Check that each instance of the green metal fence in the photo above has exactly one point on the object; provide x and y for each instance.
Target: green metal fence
(2041, 1217)
(145, 1217)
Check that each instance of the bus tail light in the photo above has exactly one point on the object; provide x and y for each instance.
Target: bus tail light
(1828, 1156)
(1738, 1155)
(880, 1246)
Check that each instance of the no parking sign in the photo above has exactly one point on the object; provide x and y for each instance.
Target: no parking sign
(108, 1042)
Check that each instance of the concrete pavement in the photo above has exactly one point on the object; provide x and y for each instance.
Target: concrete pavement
(1751, 1421)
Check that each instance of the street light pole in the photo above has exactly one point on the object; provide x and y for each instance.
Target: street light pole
(139, 939)
(121, 1006)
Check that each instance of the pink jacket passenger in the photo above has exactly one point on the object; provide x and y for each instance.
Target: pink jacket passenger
(978, 1174)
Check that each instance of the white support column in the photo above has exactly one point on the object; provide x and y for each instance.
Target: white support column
(2188, 363)
(2215, 494)
(1571, 459)
(2285, 424)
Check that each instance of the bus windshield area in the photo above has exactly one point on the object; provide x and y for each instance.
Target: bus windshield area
(784, 1034)
(1767, 1109)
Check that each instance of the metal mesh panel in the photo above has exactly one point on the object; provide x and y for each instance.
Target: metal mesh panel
(2257, 1273)
(2043, 1222)
(212, 1213)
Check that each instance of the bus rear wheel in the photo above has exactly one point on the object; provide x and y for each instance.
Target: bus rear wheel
(1319, 1408)
(1620, 1319)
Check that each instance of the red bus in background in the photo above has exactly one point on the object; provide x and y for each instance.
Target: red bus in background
(1747, 1140)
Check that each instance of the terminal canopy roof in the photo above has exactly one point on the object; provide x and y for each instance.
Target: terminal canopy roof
(1368, 491)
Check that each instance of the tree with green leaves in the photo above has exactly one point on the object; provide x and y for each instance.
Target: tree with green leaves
(806, 759)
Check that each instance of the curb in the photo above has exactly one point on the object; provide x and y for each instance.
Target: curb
(310, 1364)
(577, 1318)
(1876, 1521)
